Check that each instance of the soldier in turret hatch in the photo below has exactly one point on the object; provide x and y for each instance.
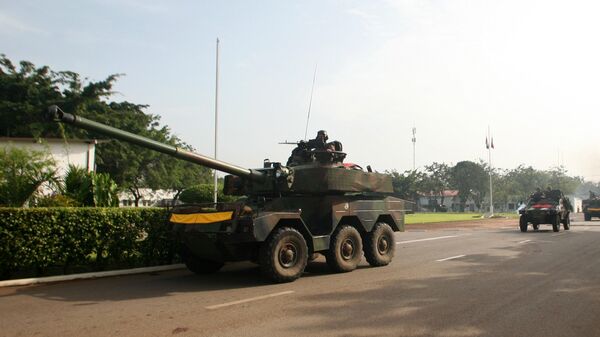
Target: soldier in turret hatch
(300, 155)
(319, 142)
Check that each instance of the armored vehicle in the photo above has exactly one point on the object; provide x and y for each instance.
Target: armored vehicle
(591, 207)
(549, 207)
(285, 214)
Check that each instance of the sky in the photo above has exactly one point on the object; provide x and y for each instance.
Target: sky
(529, 70)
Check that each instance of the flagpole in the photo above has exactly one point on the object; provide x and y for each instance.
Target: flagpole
(490, 165)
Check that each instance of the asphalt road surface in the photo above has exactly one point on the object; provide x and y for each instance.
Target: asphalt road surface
(444, 281)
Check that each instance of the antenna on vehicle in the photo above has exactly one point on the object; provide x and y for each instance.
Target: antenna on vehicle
(310, 102)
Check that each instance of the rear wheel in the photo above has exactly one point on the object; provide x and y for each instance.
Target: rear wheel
(379, 245)
(556, 223)
(284, 255)
(567, 223)
(198, 265)
(523, 223)
(345, 250)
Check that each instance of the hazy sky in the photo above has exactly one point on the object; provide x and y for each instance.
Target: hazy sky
(528, 69)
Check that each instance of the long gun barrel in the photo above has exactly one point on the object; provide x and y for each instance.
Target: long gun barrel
(57, 115)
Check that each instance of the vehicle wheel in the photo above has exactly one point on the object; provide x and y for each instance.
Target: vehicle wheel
(567, 223)
(283, 256)
(587, 217)
(199, 266)
(523, 224)
(345, 250)
(379, 245)
(556, 224)
(536, 226)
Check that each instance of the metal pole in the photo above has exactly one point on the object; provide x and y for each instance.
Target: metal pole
(490, 164)
(414, 141)
(216, 117)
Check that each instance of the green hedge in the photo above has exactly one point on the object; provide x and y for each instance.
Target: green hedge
(44, 241)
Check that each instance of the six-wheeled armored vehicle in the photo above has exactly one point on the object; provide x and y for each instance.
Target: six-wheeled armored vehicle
(286, 214)
(549, 207)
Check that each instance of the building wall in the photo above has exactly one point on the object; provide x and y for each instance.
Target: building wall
(76, 152)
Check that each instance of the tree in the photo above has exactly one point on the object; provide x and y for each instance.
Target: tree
(408, 185)
(438, 179)
(470, 179)
(27, 91)
(22, 173)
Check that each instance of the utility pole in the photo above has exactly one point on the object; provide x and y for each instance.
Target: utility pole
(414, 141)
(216, 118)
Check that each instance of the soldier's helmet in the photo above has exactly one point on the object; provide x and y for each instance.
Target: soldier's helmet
(322, 133)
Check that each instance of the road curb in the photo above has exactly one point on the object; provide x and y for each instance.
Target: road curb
(60, 278)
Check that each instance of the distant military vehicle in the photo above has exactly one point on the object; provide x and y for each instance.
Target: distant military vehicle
(549, 207)
(286, 214)
(591, 207)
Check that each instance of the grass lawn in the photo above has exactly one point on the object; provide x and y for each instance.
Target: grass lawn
(419, 218)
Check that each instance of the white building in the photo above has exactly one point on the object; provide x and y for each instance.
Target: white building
(149, 198)
(78, 152)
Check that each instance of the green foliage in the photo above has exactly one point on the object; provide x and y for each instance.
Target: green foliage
(203, 193)
(22, 172)
(471, 181)
(90, 188)
(56, 200)
(43, 239)
(27, 91)
(408, 185)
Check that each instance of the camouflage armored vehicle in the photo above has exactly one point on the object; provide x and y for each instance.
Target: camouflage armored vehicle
(591, 207)
(549, 207)
(285, 214)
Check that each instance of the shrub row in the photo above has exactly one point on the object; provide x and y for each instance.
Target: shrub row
(42, 241)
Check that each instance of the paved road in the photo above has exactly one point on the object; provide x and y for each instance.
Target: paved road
(445, 282)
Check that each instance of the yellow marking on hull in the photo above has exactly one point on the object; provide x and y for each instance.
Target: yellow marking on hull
(201, 218)
(593, 209)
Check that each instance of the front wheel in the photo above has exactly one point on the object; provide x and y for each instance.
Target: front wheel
(284, 255)
(523, 223)
(556, 224)
(379, 245)
(345, 250)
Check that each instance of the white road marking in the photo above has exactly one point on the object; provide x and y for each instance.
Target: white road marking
(450, 258)
(524, 241)
(429, 239)
(213, 307)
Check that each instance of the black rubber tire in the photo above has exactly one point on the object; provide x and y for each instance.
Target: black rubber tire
(200, 266)
(345, 249)
(587, 217)
(523, 224)
(535, 226)
(379, 245)
(556, 224)
(284, 255)
(567, 223)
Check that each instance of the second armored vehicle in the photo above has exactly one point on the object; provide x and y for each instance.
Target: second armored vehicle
(591, 207)
(549, 207)
(285, 214)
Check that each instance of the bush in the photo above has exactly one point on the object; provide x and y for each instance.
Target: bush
(42, 241)
(203, 193)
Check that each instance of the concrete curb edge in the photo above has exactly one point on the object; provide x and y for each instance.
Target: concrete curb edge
(60, 278)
